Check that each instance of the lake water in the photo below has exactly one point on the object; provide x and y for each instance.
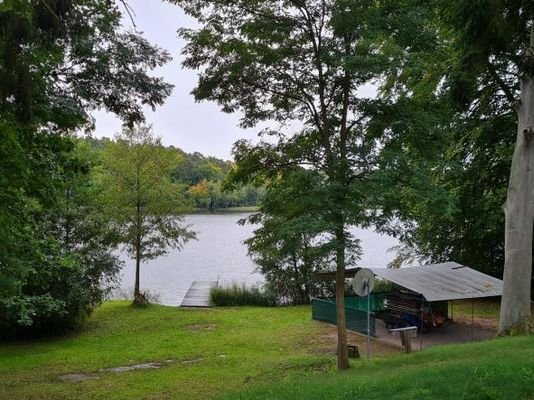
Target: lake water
(219, 254)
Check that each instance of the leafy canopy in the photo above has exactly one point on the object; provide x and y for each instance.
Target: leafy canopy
(60, 60)
(139, 195)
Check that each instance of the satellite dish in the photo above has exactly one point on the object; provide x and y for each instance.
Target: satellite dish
(363, 282)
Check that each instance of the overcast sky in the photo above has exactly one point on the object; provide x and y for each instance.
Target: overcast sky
(180, 121)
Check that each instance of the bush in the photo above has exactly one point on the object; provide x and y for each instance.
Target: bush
(58, 293)
(384, 286)
(241, 295)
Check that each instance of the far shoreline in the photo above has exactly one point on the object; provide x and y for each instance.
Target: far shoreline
(229, 210)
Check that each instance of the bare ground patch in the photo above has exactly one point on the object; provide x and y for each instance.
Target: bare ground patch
(326, 343)
(83, 376)
(479, 322)
(201, 327)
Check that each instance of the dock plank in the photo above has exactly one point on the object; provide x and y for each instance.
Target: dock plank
(198, 294)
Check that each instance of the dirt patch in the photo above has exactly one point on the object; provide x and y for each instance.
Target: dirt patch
(192, 361)
(74, 377)
(326, 343)
(80, 377)
(126, 368)
(484, 323)
(201, 327)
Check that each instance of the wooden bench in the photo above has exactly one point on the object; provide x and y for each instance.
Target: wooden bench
(406, 335)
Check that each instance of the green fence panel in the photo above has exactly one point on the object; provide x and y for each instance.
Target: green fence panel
(325, 310)
(360, 303)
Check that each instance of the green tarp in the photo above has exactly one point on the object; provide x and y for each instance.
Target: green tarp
(355, 311)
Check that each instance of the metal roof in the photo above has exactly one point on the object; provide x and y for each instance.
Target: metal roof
(446, 281)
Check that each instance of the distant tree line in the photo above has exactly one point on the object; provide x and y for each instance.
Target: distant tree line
(204, 179)
(206, 176)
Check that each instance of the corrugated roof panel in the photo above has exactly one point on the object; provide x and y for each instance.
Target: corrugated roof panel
(446, 281)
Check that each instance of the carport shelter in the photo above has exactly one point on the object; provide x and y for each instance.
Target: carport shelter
(422, 300)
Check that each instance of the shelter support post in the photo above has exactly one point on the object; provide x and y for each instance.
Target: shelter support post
(421, 329)
(368, 325)
(472, 320)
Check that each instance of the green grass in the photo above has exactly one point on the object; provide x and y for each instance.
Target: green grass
(213, 351)
(484, 308)
(498, 369)
(250, 353)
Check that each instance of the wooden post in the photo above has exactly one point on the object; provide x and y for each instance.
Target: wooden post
(406, 337)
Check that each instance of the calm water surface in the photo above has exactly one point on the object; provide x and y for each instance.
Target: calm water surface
(219, 254)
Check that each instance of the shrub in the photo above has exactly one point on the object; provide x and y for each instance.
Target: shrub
(58, 294)
(383, 286)
(241, 295)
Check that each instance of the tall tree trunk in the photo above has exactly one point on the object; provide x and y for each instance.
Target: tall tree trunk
(137, 292)
(138, 297)
(342, 351)
(519, 214)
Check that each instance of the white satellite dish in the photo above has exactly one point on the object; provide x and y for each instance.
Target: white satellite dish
(363, 282)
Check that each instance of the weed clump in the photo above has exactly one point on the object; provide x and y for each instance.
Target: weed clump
(241, 295)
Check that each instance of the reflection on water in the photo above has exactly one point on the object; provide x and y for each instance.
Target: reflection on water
(219, 254)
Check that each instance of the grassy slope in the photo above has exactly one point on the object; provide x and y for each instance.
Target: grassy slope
(212, 351)
(499, 369)
(250, 353)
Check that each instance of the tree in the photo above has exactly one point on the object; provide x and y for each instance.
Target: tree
(195, 167)
(496, 66)
(290, 247)
(59, 60)
(435, 193)
(488, 76)
(296, 61)
(205, 176)
(142, 200)
(67, 255)
(519, 207)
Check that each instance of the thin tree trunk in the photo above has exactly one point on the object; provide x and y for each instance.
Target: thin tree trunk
(138, 297)
(519, 214)
(342, 351)
(67, 219)
(137, 293)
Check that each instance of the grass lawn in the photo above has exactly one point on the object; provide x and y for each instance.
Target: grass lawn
(497, 369)
(481, 308)
(265, 353)
(212, 351)
(482, 312)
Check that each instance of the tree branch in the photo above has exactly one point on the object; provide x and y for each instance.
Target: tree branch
(130, 11)
(502, 85)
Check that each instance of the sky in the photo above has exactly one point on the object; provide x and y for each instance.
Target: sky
(181, 121)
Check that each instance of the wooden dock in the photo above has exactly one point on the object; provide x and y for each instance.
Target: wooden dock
(198, 294)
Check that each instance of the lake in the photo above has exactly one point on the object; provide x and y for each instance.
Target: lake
(219, 254)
